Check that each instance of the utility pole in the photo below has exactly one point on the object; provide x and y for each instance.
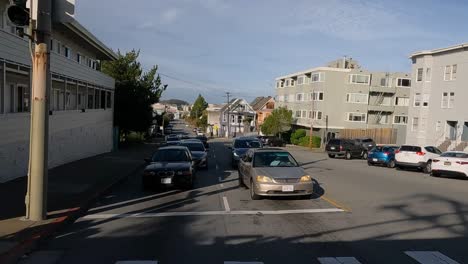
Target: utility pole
(36, 196)
(312, 120)
(229, 116)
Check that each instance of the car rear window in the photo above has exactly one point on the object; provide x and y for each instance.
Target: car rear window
(455, 155)
(367, 140)
(334, 142)
(410, 148)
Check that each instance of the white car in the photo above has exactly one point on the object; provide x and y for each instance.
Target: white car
(451, 163)
(417, 157)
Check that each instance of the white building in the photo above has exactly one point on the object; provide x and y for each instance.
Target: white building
(438, 113)
(233, 115)
(81, 98)
(213, 117)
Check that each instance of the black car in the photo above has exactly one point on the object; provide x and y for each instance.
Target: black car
(172, 140)
(203, 139)
(240, 147)
(198, 151)
(348, 148)
(169, 167)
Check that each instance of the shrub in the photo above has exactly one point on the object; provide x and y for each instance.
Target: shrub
(297, 135)
(304, 141)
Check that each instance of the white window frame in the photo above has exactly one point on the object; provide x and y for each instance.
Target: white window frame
(286, 83)
(388, 81)
(428, 73)
(303, 114)
(348, 114)
(451, 100)
(281, 84)
(422, 124)
(352, 75)
(417, 96)
(348, 97)
(315, 96)
(425, 100)
(292, 83)
(298, 114)
(320, 77)
(446, 101)
(302, 78)
(315, 115)
(398, 81)
(400, 123)
(452, 72)
(419, 73)
(302, 97)
(406, 100)
(413, 127)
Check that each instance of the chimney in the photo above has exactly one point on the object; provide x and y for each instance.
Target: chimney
(344, 62)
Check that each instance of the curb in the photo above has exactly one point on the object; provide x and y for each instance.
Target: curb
(29, 244)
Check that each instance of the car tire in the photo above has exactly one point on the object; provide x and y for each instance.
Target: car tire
(348, 155)
(253, 195)
(365, 155)
(391, 164)
(428, 168)
(332, 156)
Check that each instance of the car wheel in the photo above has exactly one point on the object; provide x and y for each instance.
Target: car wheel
(332, 156)
(253, 195)
(428, 167)
(348, 155)
(365, 155)
(391, 164)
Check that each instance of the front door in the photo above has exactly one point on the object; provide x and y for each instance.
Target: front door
(464, 136)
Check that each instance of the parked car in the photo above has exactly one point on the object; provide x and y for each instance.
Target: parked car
(382, 155)
(203, 139)
(271, 141)
(451, 163)
(198, 151)
(366, 143)
(273, 172)
(240, 146)
(172, 140)
(416, 157)
(348, 148)
(169, 167)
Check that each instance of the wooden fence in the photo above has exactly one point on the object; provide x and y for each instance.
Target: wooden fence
(379, 135)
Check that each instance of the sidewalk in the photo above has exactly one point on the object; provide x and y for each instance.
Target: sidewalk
(71, 188)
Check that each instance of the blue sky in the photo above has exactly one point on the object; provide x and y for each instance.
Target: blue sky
(213, 46)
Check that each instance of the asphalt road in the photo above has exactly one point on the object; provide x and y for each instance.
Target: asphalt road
(360, 214)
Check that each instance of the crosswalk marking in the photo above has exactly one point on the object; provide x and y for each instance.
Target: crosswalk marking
(430, 257)
(339, 260)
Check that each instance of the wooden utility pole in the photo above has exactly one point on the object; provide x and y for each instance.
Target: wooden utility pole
(228, 115)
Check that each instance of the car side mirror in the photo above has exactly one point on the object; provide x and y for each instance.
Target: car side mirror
(147, 160)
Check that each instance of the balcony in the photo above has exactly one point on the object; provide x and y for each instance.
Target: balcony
(381, 108)
(382, 89)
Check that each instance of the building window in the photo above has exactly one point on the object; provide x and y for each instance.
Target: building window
(317, 96)
(450, 72)
(386, 82)
(51, 45)
(292, 82)
(438, 126)
(281, 84)
(67, 52)
(304, 113)
(357, 98)
(277, 84)
(417, 100)
(425, 101)
(298, 114)
(428, 74)
(317, 115)
(419, 75)
(287, 83)
(401, 101)
(356, 117)
(359, 79)
(224, 117)
(415, 124)
(383, 119)
(300, 80)
(108, 99)
(78, 58)
(400, 120)
(300, 97)
(403, 82)
(309, 115)
(316, 77)
(448, 100)
(59, 47)
(233, 119)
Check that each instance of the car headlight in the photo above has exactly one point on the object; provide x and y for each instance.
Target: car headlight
(306, 178)
(235, 154)
(261, 178)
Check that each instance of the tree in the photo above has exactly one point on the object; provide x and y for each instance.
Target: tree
(278, 122)
(198, 107)
(135, 92)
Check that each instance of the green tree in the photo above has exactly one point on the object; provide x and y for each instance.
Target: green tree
(135, 92)
(278, 122)
(199, 106)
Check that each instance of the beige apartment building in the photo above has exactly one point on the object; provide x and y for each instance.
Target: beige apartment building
(342, 95)
(438, 113)
(81, 96)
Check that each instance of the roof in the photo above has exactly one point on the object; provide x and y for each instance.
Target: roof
(230, 103)
(259, 102)
(308, 71)
(439, 50)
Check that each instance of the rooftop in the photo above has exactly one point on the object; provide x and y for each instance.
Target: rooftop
(439, 50)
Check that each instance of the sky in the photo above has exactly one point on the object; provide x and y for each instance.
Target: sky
(211, 47)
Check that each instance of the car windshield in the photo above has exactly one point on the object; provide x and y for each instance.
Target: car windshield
(274, 159)
(170, 155)
(246, 144)
(334, 142)
(193, 146)
(172, 139)
(455, 155)
(410, 148)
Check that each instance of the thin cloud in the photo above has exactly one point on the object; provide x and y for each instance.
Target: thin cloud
(170, 15)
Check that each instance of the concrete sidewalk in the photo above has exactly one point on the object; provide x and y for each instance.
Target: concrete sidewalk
(72, 187)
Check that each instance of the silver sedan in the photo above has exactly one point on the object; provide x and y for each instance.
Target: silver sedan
(273, 172)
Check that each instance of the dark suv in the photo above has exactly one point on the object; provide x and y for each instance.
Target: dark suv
(348, 148)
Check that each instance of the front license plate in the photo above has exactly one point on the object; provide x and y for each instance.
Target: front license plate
(166, 180)
(288, 188)
(374, 160)
(447, 163)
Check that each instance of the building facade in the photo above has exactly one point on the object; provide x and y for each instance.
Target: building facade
(438, 115)
(213, 119)
(81, 97)
(263, 106)
(236, 118)
(341, 95)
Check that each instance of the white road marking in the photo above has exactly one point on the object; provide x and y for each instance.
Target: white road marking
(340, 260)
(214, 213)
(137, 262)
(226, 204)
(430, 257)
(129, 201)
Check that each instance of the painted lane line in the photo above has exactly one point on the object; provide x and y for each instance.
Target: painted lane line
(430, 257)
(335, 203)
(340, 260)
(226, 204)
(137, 262)
(213, 213)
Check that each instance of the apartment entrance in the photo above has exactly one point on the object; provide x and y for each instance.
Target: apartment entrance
(451, 132)
(464, 136)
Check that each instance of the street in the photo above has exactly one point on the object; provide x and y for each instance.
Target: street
(359, 214)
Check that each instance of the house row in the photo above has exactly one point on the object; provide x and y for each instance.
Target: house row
(81, 96)
(238, 117)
